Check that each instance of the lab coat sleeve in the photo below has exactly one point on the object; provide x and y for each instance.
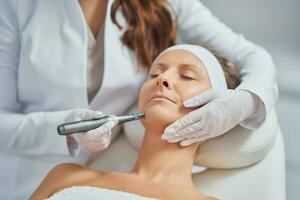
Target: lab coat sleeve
(33, 133)
(196, 24)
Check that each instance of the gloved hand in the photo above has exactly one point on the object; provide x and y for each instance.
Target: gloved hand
(93, 140)
(221, 112)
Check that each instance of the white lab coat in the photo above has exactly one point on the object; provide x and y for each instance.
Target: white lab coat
(43, 48)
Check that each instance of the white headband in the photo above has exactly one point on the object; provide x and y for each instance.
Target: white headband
(210, 62)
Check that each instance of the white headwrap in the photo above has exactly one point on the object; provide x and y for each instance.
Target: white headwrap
(210, 62)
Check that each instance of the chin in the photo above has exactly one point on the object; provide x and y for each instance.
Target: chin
(159, 115)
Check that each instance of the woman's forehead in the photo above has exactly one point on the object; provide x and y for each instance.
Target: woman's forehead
(178, 58)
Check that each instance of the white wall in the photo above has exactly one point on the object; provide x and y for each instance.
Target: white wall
(268, 22)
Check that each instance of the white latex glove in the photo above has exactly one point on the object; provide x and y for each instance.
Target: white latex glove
(221, 112)
(93, 140)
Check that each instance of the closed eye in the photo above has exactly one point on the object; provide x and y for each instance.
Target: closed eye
(187, 77)
(153, 75)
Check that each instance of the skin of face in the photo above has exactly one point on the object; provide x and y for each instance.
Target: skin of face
(174, 77)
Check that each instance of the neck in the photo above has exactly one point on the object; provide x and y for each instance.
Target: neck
(162, 161)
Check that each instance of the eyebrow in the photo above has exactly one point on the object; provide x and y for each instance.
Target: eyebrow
(161, 64)
(181, 66)
(191, 66)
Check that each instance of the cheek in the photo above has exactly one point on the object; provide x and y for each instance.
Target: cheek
(187, 92)
(142, 96)
(145, 94)
(160, 114)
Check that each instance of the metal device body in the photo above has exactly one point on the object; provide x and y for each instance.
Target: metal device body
(86, 125)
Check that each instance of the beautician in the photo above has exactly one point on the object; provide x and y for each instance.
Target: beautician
(62, 61)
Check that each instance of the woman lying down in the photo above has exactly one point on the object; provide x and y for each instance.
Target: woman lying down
(163, 170)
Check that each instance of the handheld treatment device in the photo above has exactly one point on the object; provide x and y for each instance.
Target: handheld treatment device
(86, 125)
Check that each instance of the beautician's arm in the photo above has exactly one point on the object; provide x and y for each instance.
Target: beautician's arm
(198, 25)
(33, 133)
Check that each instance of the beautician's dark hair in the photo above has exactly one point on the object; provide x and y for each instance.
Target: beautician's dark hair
(149, 30)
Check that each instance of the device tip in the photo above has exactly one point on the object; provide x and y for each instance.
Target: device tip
(139, 115)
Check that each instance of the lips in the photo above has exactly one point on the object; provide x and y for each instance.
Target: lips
(160, 96)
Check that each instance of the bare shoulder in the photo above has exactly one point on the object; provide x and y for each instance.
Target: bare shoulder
(62, 176)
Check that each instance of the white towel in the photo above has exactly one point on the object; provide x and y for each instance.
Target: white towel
(93, 193)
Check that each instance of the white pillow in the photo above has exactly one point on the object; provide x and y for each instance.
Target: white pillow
(237, 148)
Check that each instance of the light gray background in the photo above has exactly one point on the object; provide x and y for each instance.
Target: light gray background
(274, 24)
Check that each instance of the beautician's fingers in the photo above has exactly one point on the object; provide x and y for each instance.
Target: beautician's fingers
(107, 127)
(98, 132)
(94, 144)
(95, 135)
(81, 114)
(185, 132)
(198, 133)
(183, 122)
(193, 140)
(201, 99)
(188, 142)
(182, 133)
(103, 139)
(89, 114)
(103, 142)
(76, 114)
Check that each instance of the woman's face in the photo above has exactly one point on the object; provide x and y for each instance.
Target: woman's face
(173, 78)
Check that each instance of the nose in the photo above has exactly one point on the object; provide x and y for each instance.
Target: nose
(163, 82)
